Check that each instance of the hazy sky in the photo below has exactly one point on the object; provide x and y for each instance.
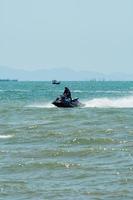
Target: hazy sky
(78, 34)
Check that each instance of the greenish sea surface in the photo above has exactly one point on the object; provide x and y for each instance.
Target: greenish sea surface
(50, 153)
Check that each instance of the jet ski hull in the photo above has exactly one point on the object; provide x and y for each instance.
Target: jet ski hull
(66, 104)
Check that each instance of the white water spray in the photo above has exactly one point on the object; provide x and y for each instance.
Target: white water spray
(124, 102)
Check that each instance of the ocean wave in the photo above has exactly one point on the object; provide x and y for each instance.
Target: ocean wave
(6, 136)
(124, 102)
(15, 90)
(41, 105)
(112, 91)
(79, 91)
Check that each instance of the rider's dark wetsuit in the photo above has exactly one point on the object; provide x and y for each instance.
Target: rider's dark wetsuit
(67, 93)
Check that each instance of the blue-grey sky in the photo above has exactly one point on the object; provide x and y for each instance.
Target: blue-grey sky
(94, 35)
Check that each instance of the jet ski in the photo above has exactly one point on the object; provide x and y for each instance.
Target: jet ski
(66, 102)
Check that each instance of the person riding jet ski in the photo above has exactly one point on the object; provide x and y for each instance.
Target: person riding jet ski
(65, 100)
(67, 94)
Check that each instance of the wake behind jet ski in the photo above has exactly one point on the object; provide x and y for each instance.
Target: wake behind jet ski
(66, 101)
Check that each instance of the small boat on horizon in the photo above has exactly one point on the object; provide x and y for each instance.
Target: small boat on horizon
(5, 80)
(55, 82)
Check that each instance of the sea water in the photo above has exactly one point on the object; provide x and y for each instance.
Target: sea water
(50, 153)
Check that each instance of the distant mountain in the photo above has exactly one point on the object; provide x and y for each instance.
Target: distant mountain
(59, 74)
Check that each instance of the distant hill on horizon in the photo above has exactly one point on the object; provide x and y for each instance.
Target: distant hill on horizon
(60, 74)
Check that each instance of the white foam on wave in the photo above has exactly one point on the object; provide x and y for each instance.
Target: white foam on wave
(5, 136)
(79, 91)
(15, 90)
(41, 105)
(124, 102)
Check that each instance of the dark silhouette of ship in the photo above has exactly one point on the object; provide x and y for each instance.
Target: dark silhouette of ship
(8, 80)
(55, 82)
